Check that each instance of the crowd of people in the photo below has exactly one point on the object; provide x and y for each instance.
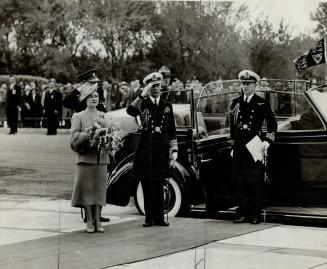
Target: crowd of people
(30, 106)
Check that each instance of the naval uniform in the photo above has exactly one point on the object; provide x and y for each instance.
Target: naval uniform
(152, 156)
(247, 119)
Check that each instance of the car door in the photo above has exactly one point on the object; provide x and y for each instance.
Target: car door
(298, 159)
(212, 144)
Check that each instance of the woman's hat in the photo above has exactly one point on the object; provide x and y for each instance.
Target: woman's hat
(86, 89)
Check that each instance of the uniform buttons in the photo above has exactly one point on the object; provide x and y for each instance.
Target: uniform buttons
(152, 126)
(250, 122)
(252, 111)
(251, 117)
(152, 132)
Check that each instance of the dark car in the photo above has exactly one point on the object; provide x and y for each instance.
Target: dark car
(296, 168)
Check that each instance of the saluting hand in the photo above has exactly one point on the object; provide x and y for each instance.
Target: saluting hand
(146, 90)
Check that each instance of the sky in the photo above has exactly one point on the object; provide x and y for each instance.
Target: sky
(296, 13)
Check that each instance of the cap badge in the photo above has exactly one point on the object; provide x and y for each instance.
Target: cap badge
(246, 75)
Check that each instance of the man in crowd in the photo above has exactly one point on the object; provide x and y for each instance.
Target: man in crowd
(13, 104)
(136, 87)
(248, 113)
(157, 146)
(36, 106)
(126, 95)
(52, 107)
(26, 106)
(166, 87)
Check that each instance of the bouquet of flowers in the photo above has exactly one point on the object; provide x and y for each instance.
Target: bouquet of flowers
(107, 138)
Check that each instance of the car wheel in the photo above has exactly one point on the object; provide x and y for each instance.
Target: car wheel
(173, 198)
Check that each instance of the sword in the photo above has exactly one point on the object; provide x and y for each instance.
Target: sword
(265, 163)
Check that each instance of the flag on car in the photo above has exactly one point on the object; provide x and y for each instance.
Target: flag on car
(314, 56)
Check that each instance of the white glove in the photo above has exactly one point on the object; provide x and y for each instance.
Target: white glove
(232, 153)
(173, 158)
(265, 147)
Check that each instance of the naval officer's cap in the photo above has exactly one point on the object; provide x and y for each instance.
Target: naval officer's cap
(153, 78)
(89, 80)
(248, 76)
(88, 76)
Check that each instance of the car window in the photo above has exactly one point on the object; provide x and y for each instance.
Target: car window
(212, 107)
(292, 109)
(319, 98)
(180, 98)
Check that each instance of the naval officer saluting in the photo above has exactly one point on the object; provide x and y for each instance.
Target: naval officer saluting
(248, 113)
(157, 147)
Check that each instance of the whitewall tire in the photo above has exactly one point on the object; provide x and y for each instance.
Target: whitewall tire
(172, 198)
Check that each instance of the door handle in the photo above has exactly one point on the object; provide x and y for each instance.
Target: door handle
(205, 160)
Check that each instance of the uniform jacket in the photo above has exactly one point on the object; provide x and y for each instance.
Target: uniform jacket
(26, 104)
(36, 105)
(14, 97)
(246, 121)
(52, 102)
(158, 138)
(80, 121)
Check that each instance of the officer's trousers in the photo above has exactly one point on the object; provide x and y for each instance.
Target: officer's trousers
(250, 195)
(12, 119)
(153, 200)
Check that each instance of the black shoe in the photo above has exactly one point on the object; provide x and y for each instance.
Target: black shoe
(103, 219)
(239, 220)
(161, 223)
(255, 221)
(146, 224)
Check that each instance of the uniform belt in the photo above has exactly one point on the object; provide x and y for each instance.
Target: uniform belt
(245, 127)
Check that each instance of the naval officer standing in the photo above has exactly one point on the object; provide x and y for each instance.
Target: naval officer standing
(248, 113)
(157, 147)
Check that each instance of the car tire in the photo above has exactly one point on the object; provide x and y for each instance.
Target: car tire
(174, 197)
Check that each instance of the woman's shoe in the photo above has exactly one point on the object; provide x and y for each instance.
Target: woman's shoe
(90, 229)
(99, 229)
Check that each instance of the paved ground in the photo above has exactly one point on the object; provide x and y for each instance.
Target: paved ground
(47, 233)
(39, 229)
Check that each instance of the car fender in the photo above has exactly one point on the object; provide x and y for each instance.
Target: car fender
(122, 184)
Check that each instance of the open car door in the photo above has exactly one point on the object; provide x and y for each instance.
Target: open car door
(212, 144)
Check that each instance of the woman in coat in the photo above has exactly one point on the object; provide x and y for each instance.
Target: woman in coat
(89, 189)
